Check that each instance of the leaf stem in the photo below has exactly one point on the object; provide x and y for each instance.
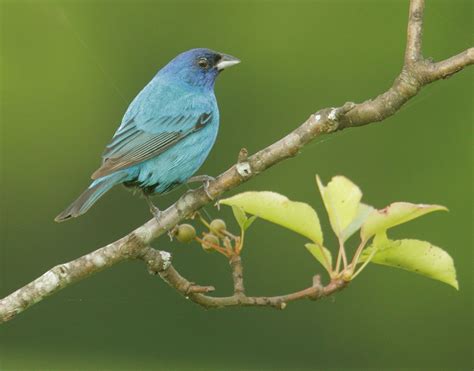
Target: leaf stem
(342, 249)
(239, 242)
(341, 255)
(228, 234)
(338, 262)
(202, 220)
(359, 250)
(325, 258)
(218, 248)
(361, 268)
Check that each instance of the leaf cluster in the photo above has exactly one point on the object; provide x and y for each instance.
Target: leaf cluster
(348, 215)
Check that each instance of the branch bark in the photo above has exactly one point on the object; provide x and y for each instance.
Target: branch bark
(414, 32)
(416, 73)
(197, 293)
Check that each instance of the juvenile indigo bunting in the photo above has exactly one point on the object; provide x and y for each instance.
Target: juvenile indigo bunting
(166, 134)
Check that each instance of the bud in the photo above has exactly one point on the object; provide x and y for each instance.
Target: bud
(209, 241)
(347, 276)
(217, 226)
(185, 233)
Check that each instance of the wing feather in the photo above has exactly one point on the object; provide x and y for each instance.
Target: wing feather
(132, 145)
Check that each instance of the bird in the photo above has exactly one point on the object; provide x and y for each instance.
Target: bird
(165, 135)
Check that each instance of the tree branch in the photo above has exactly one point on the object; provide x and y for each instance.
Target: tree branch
(450, 66)
(196, 293)
(414, 32)
(237, 274)
(416, 73)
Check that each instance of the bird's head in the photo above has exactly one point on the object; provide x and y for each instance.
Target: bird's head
(198, 67)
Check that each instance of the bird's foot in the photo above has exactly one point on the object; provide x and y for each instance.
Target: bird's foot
(155, 211)
(205, 180)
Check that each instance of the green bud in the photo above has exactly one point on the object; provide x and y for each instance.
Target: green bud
(208, 241)
(185, 233)
(217, 226)
(347, 276)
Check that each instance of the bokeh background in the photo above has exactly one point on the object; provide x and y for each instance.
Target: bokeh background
(68, 71)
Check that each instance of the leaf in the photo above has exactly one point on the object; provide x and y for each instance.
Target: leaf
(315, 250)
(363, 213)
(296, 216)
(394, 214)
(240, 216)
(341, 198)
(415, 256)
(249, 222)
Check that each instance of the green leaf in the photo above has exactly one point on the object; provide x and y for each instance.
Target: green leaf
(249, 222)
(315, 250)
(341, 198)
(363, 213)
(394, 214)
(240, 216)
(415, 256)
(297, 216)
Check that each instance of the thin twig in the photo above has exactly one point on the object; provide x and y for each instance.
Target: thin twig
(314, 292)
(414, 32)
(237, 274)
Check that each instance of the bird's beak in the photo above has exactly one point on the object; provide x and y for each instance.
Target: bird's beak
(226, 61)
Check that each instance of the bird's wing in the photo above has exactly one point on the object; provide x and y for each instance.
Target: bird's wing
(139, 140)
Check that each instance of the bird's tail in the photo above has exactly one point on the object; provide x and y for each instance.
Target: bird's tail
(90, 196)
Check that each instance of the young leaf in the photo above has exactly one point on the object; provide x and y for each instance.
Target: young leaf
(341, 198)
(239, 216)
(296, 216)
(416, 256)
(394, 214)
(363, 213)
(249, 222)
(325, 260)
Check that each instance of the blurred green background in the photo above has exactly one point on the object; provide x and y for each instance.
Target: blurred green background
(68, 71)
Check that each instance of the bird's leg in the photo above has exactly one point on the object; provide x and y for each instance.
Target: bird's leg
(205, 180)
(157, 214)
(153, 209)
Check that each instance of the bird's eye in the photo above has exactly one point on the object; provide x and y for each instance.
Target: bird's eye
(203, 62)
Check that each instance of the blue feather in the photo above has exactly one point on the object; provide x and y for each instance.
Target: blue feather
(166, 133)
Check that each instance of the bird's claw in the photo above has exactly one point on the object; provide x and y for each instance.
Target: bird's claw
(155, 211)
(206, 189)
(206, 180)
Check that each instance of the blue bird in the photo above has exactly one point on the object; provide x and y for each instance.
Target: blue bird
(166, 134)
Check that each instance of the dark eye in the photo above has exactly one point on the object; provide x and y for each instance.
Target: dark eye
(203, 62)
